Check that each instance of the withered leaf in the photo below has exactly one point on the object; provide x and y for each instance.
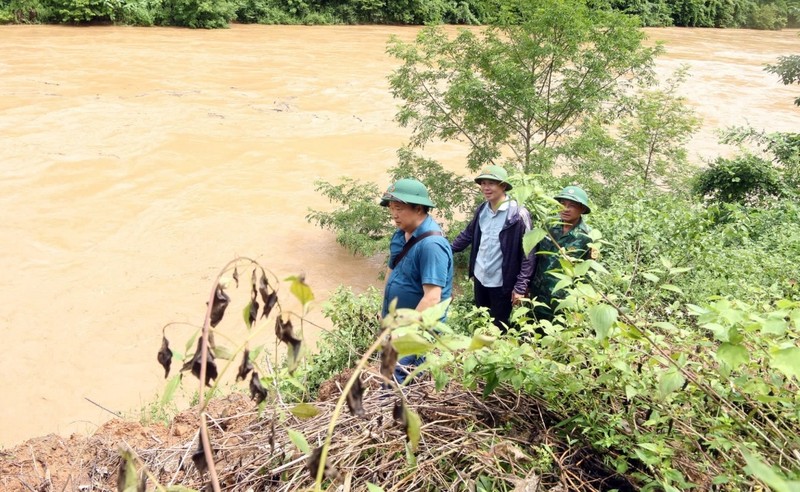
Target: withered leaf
(236, 276)
(388, 360)
(257, 390)
(313, 465)
(199, 459)
(253, 313)
(165, 356)
(271, 437)
(245, 367)
(221, 300)
(253, 291)
(284, 332)
(269, 303)
(196, 362)
(399, 414)
(263, 287)
(354, 398)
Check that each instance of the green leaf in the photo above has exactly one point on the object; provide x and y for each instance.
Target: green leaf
(414, 429)
(795, 317)
(774, 326)
(432, 315)
(733, 355)
(190, 343)
(246, 315)
(304, 411)
(172, 386)
(562, 283)
(787, 361)
(411, 344)
(665, 325)
(671, 287)
(453, 342)
(224, 353)
(720, 332)
(299, 440)
(767, 474)
(300, 289)
(480, 341)
(373, 488)
(582, 268)
(670, 380)
(597, 266)
(696, 310)
(651, 277)
(602, 317)
(130, 482)
(532, 238)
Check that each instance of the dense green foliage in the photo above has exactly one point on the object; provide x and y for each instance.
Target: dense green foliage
(675, 356)
(516, 92)
(758, 14)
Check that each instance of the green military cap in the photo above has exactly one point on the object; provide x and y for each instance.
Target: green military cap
(407, 191)
(495, 173)
(576, 194)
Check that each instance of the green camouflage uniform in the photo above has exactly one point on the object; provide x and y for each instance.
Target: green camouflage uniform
(575, 243)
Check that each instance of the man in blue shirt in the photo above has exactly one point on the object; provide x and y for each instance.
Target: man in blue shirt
(498, 265)
(420, 259)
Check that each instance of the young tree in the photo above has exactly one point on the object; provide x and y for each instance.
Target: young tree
(641, 142)
(515, 92)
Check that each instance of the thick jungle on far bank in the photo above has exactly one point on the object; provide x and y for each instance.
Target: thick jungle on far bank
(750, 14)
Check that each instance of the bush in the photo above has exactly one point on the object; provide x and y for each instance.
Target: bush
(208, 14)
(355, 325)
(84, 11)
(744, 179)
(768, 17)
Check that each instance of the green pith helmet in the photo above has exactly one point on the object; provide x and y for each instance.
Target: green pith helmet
(495, 173)
(407, 191)
(576, 194)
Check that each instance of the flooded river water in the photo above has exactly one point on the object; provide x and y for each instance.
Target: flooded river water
(135, 163)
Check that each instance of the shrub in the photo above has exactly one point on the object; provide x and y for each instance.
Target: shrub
(83, 11)
(355, 326)
(768, 17)
(208, 14)
(744, 179)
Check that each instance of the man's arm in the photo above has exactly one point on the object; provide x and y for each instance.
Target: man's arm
(432, 295)
(465, 237)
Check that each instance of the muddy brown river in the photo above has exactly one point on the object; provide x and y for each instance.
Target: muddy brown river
(137, 162)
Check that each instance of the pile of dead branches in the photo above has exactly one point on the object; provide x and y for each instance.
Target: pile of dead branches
(504, 440)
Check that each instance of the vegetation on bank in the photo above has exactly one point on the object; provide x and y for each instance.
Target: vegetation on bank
(676, 355)
(754, 14)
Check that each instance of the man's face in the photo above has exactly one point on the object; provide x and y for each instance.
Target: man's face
(492, 190)
(570, 211)
(405, 216)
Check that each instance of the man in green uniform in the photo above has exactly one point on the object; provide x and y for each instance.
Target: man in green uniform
(571, 235)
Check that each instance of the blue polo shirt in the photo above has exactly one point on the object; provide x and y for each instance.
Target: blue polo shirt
(430, 261)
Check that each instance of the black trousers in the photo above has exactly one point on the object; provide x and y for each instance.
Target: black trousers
(499, 304)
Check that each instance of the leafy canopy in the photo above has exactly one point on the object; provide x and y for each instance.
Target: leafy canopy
(514, 92)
